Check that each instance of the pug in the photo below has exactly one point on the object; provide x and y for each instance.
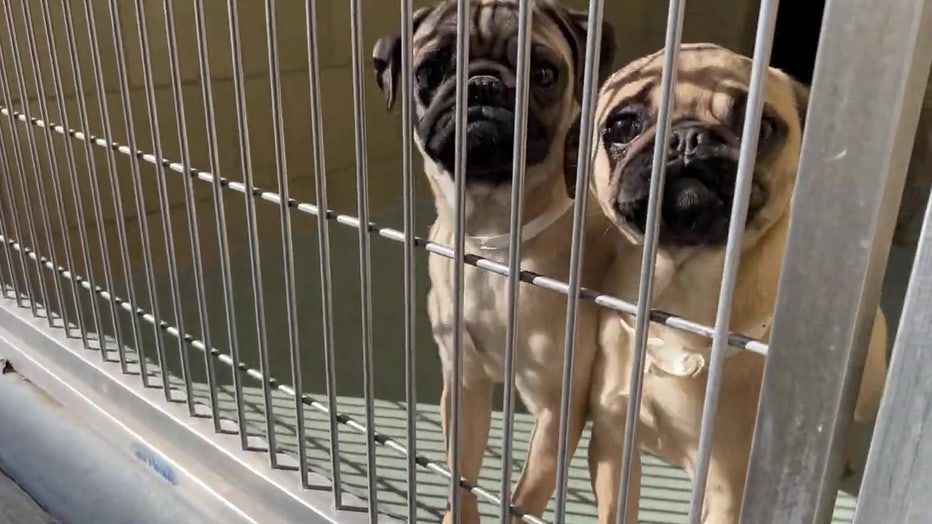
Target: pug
(555, 92)
(710, 97)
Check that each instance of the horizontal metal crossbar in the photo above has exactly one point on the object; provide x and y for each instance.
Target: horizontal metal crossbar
(602, 299)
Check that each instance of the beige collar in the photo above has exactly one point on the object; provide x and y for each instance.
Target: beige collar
(529, 230)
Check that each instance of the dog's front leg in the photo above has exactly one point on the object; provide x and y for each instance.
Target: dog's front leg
(724, 487)
(731, 443)
(605, 451)
(608, 409)
(538, 478)
(476, 408)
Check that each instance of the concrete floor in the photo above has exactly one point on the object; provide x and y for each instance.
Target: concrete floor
(17, 507)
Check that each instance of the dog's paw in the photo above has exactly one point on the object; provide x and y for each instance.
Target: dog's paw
(469, 511)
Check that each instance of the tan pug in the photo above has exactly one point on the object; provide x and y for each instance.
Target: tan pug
(710, 97)
(556, 80)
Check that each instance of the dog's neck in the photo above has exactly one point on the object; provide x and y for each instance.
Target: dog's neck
(683, 355)
(488, 209)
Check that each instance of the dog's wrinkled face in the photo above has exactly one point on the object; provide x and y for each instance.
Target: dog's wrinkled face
(557, 53)
(707, 116)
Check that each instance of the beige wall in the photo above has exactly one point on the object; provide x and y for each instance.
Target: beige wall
(639, 25)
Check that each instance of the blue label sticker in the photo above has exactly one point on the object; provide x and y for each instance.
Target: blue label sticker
(156, 463)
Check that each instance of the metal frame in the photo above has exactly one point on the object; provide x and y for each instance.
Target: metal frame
(898, 477)
(848, 141)
(365, 258)
(407, 168)
(871, 73)
(255, 263)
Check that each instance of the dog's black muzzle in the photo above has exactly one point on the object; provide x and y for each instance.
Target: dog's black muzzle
(490, 123)
(699, 185)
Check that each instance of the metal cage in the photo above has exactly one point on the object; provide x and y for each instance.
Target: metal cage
(170, 275)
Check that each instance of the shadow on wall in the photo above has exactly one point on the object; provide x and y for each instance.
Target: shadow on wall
(387, 320)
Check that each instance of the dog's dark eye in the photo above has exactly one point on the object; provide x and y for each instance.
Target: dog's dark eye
(429, 74)
(622, 128)
(767, 127)
(544, 74)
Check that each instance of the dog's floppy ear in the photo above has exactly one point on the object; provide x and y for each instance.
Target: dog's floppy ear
(386, 58)
(575, 26)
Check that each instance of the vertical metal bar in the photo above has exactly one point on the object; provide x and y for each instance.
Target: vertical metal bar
(13, 284)
(14, 209)
(8, 204)
(6, 284)
(58, 193)
(193, 225)
(28, 286)
(25, 293)
(365, 291)
(898, 476)
(583, 171)
(221, 218)
(852, 168)
(51, 44)
(646, 283)
(80, 98)
(522, 73)
(63, 221)
(281, 168)
(407, 182)
(323, 247)
(252, 230)
(162, 190)
(7, 258)
(459, 247)
(747, 157)
(137, 187)
(36, 172)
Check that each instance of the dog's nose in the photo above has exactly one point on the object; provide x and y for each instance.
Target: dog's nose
(686, 139)
(486, 90)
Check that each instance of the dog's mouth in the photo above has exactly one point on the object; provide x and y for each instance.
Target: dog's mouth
(696, 204)
(480, 117)
(489, 138)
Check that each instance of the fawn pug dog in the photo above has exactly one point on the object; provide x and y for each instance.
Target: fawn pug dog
(556, 81)
(709, 100)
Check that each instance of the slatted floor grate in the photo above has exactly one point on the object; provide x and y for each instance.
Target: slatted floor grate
(664, 493)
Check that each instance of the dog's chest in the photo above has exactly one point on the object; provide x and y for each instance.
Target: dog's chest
(485, 319)
(485, 316)
(484, 304)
